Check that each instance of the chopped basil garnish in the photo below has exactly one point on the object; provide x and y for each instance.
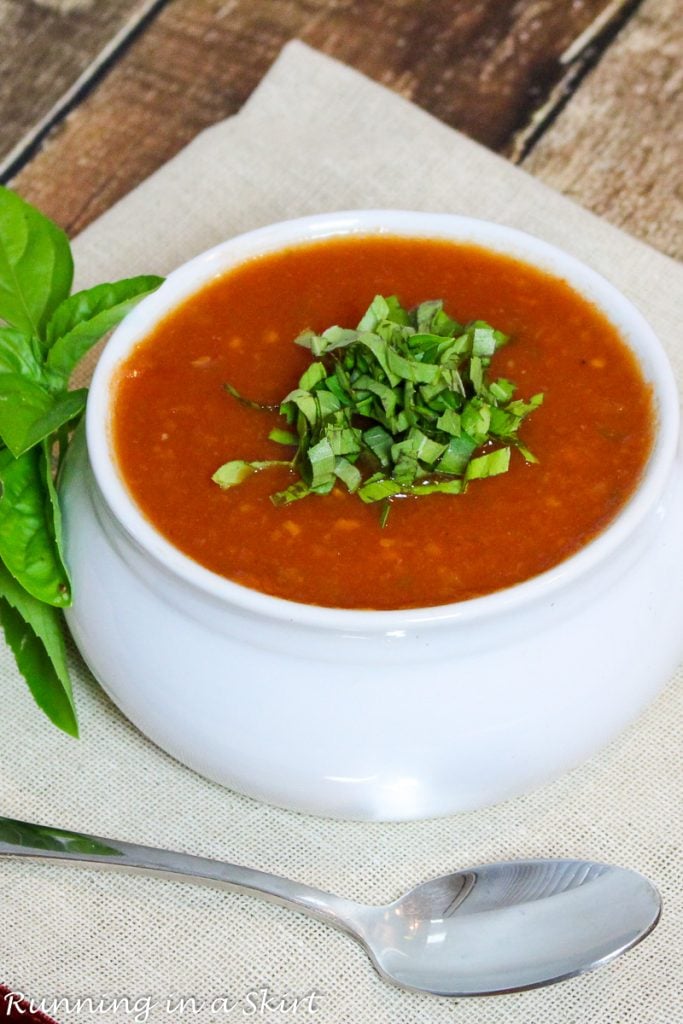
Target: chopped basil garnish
(400, 406)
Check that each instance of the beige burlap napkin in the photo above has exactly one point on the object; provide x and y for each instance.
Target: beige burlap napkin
(317, 136)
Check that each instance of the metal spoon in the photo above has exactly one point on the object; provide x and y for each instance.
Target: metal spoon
(496, 928)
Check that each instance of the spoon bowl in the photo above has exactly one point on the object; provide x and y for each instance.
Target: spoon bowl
(490, 929)
(509, 926)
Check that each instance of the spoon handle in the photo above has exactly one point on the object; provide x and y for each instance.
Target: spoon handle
(23, 839)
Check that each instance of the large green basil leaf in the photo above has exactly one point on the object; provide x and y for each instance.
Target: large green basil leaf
(42, 837)
(17, 354)
(53, 508)
(28, 546)
(28, 412)
(34, 633)
(36, 268)
(80, 321)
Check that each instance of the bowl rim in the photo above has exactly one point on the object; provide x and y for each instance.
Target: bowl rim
(191, 276)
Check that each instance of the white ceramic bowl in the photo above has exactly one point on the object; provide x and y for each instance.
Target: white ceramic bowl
(377, 715)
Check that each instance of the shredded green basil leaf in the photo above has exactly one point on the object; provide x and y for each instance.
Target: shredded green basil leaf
(400, 406)
(490, 464)
(231, 473)
(283, 436)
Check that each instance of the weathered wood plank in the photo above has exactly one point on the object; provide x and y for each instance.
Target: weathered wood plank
(47, 46)
(478, 65)
(618, 146)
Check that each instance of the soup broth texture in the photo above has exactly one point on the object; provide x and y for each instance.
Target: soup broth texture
(174, 423)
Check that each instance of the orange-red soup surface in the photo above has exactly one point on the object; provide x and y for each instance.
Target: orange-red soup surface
(174, 424)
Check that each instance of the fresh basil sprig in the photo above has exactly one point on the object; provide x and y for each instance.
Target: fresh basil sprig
(406, 395)
(44, 332)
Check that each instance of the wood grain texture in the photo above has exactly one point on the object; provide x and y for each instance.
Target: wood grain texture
(47, 45)
(479, 65)
(618, 146)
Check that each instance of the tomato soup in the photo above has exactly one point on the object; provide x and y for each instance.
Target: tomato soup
(174, 424)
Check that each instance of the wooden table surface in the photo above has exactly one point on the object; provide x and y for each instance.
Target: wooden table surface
(585, 94)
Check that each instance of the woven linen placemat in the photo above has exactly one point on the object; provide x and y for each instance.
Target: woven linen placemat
(314, 137)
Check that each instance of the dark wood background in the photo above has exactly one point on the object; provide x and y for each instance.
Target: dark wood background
(585, 94)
